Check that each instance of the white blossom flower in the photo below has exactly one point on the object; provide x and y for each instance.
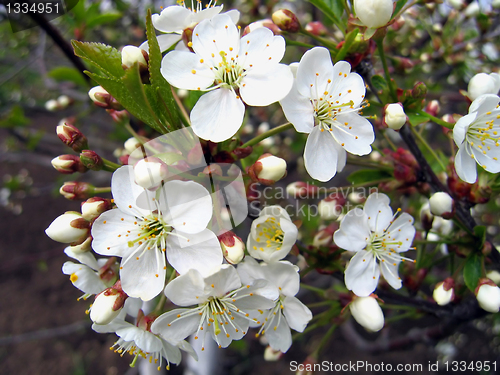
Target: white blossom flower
(324, 102)
(222, 309)
(139, 341)
(378, 238)
(234, 71)
(272, 235)
(147, 224)
(173, 20)
(477, 137)
(288, 312)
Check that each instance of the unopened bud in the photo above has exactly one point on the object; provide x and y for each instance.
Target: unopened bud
(131, 144)
(91, 160)
(84, 247)
(395, 116)
(494, 276)
(442, 204)
(374, 13)
(488, 295)
(69, 227)
(51, 105)
(367, 312)
(419, 91)
(63, 101)
(443, 292)
(93, 207)
(433, 108)
(107, 306)
(267, 23)
(72, 137)
(98, 94)
(233, 248)
(271, 355)
(132, 55)
(483, 83)
(330, 208)
(74, 190)
(426, 217)
(150, 172)
(68, 164)
(268, 169)
(316, 28)
(286, 20)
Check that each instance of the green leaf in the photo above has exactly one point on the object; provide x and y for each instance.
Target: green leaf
(337, 8)
(322, 6)
(480, 232)
(14, 119)
(102, 19)
(167, 106)
(367, 175)
(106, 58)
(65, 73)
(379, 83)
(472, 270)
(349, 40)
(399, 5)
(416, 119)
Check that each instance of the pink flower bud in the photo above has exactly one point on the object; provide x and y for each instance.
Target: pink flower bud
(443, 292)
(442, 204)
(233, 248)
(488, 295)
(367, 312)
(107, 305)
(286, 20)
(103, 99)
(150, 172)
(70, 227)
(301, 190)
(72, 137)
(74, 190)
(267, 169)
(316, 28)
(68, 164)
(433, 108)
(93, 207)
(91, 160)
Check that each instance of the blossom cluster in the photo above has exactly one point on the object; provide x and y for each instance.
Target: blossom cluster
(167, 237)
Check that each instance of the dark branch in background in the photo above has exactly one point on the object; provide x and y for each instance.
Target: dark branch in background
(62, 43)
(462, 212)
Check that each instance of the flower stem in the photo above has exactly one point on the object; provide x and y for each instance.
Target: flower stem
(428, 147)
(381, 53)
(185, 116)
(324, 341)
(313, 289)
(436, 120)
(100, 190)
(269, 133)
(109, 166)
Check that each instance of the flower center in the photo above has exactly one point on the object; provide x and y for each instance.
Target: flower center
(151, 229)
(228, 73)
(270, 233)
(483, 135)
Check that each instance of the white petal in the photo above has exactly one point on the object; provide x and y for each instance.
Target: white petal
(165, 41)
(206, 13)
(461, 127)
(211, 37)
(354, 133)
(84, 278)
(234, 14)
(184, 70)
(315, 69)
(109, 233)
(296, 313)
(351, 88)
(217, 115)
(403, 231)
(362, 274)
(353, 232)
(187, 289)
(278, 334)
(260, 48)
(284, 276)
(291, 232)
(298, 110)
(143, 278)
(202, 252)
(223, 281)
(378, 211)
(321, 154)
(391, 274)
(186, 205)
(129, 197)
(465, 166)
(86, 257)
(266, 85)
(172, 19)
(484, 103)
(178, 330)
